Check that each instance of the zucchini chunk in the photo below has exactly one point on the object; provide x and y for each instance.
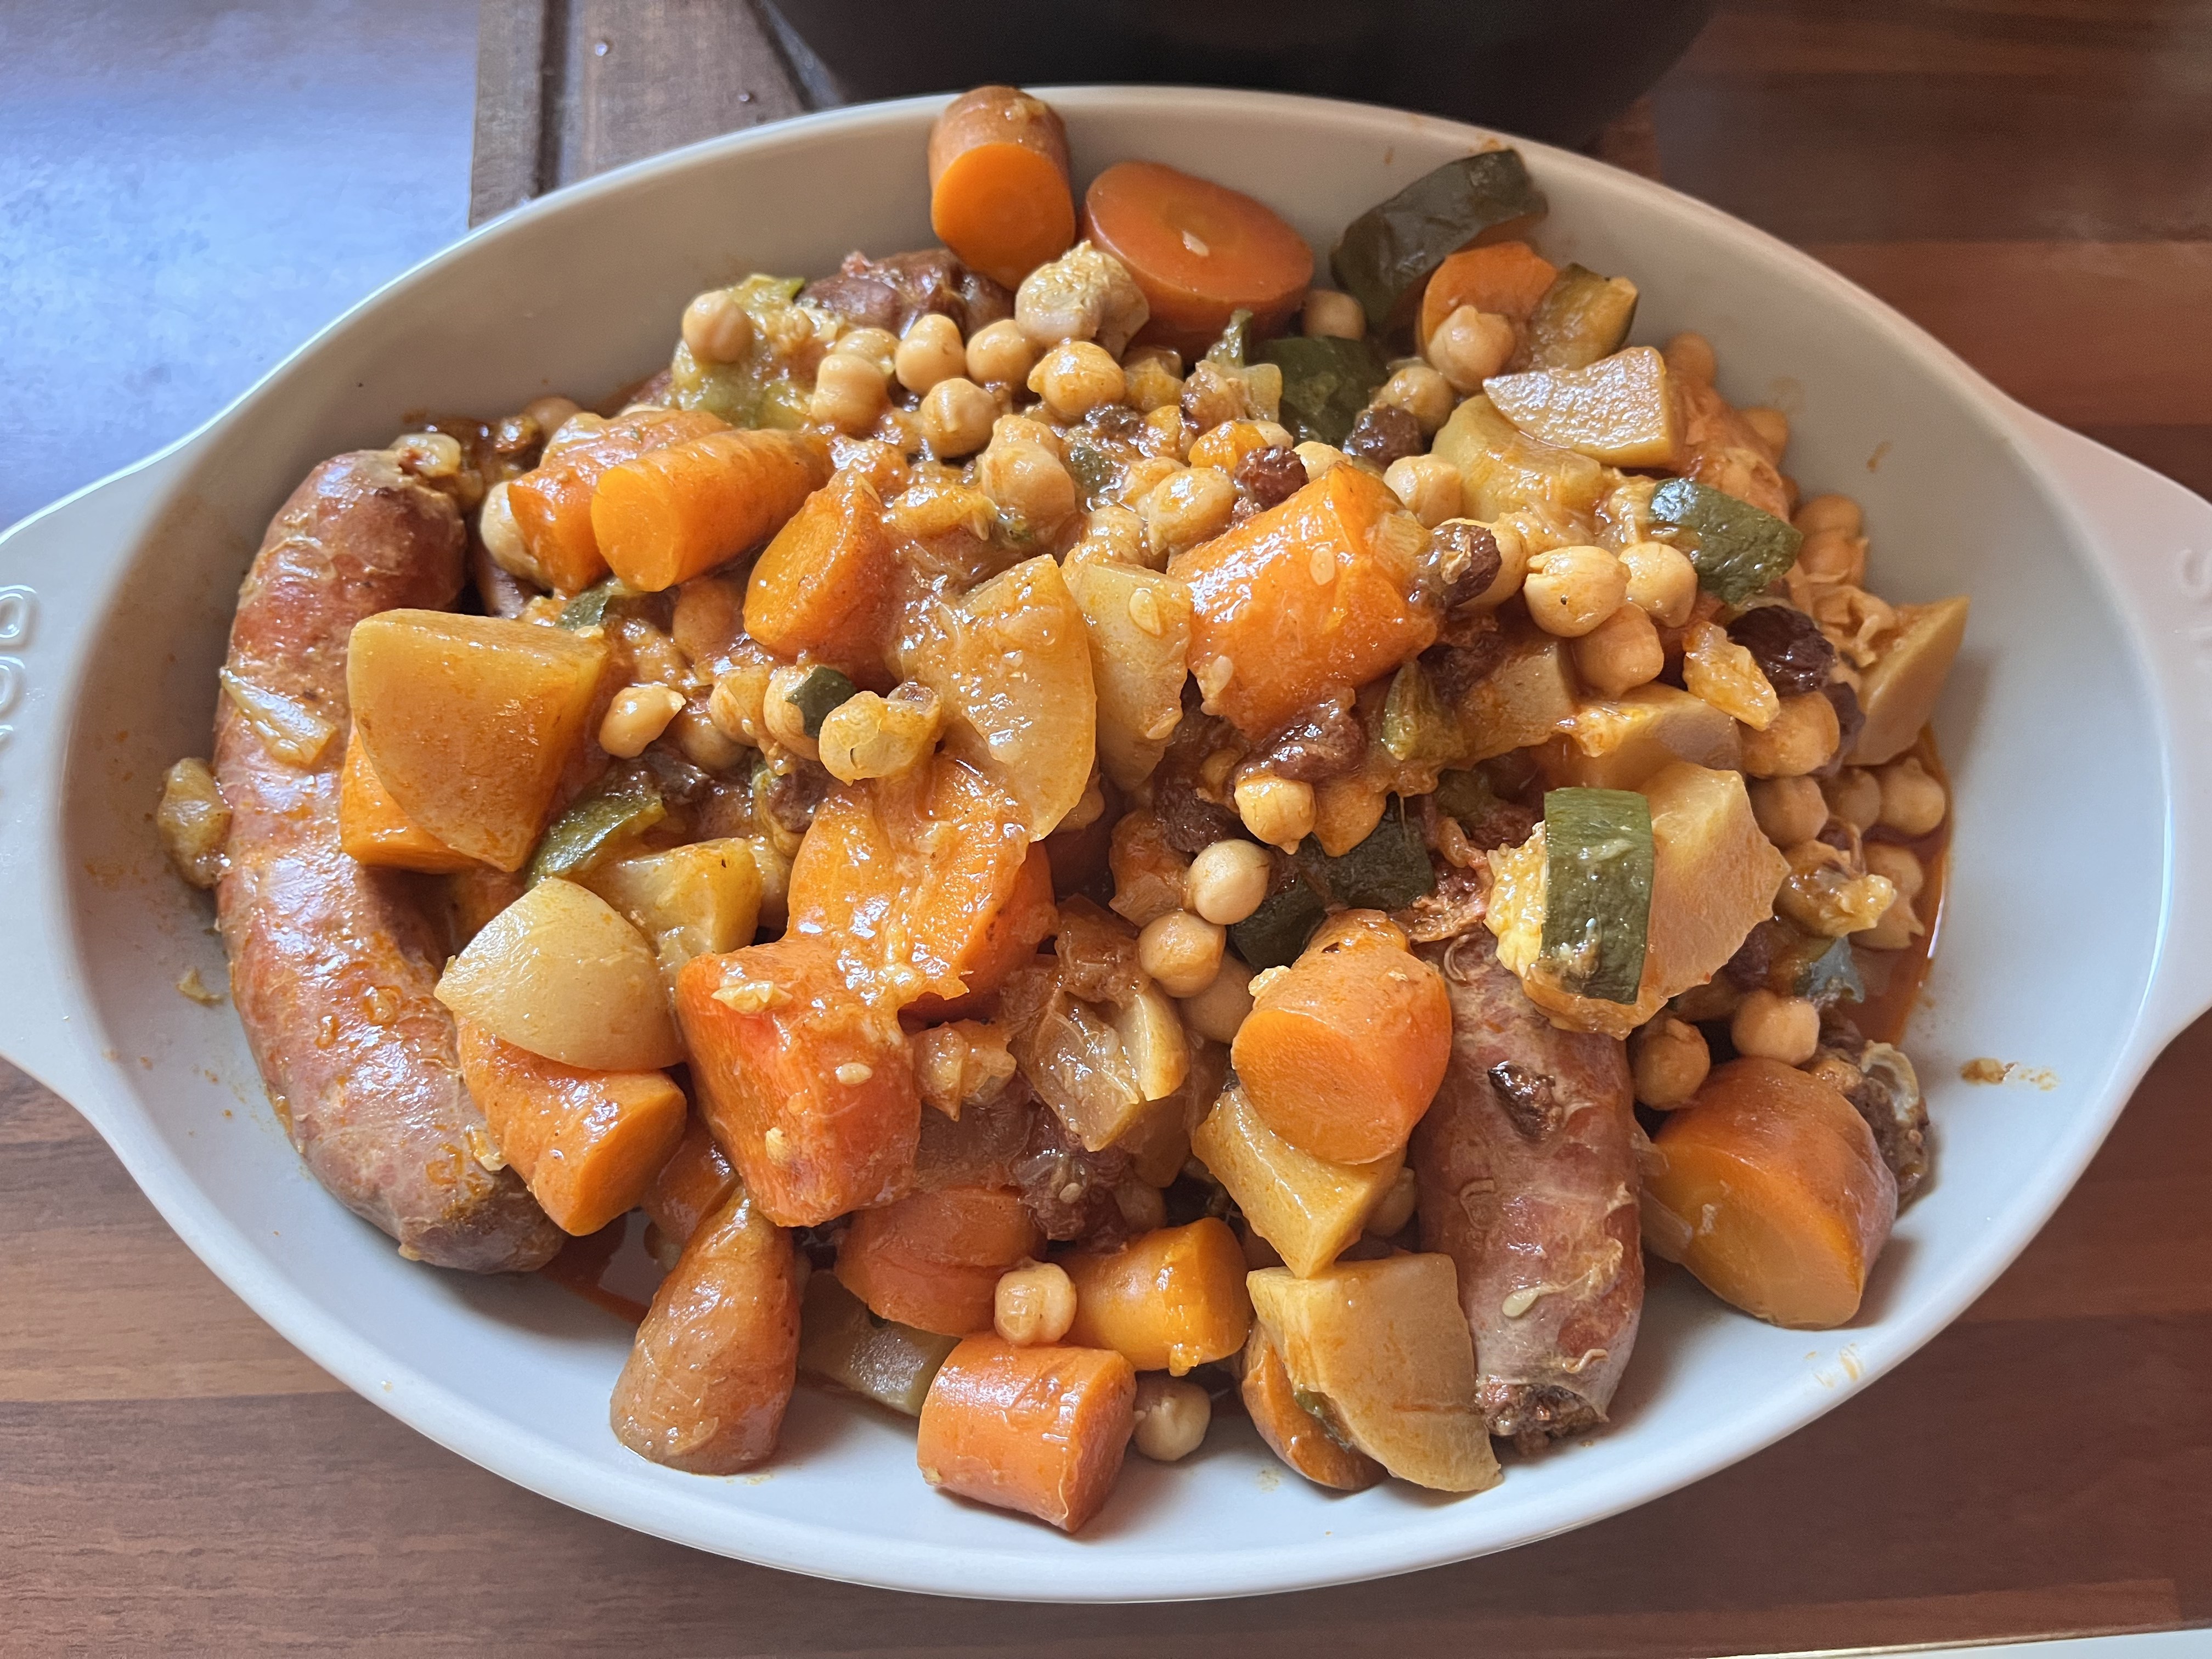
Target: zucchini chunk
(1597, 878)
(1274, 934)
(1737, 548)
(1386, 255)
(1326, 383)
(624, 807)
(1387, 872)
(1619, 410)
(1581, 318)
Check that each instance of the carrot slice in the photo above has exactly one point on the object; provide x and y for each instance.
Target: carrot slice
(675, 513)
(372, 830)
(999, 195)
(1038, 1429)
(587, 1143)
(1295, 1434)
(1168, 1301)
(691, 1186)
(1200, 252)
(825, 588)
(933, 1260)
(552, 503)
(1507, 278)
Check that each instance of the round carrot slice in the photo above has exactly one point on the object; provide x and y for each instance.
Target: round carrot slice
(1200, 251)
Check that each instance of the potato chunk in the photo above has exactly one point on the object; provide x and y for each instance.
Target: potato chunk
(689, 901)
(1309, 1209)
(1619, 410)
(1620, 743)
(1901, 688)
(467, 721)
(1139, 624)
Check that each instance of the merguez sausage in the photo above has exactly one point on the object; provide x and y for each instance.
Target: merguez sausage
(1529, 1182)
(333, 962)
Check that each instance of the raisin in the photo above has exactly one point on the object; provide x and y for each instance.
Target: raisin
(1787, 645)
(1849, 717)
(1326, 742)
(1271, 476)
(891, 292)
(1382, 434)
(1459, 564)
(1454, 670)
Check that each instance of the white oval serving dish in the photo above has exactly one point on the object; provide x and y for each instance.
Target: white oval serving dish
(2075, 940)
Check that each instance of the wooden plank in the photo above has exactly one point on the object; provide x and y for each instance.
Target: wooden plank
(507, 166)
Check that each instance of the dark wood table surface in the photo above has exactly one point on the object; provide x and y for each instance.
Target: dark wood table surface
(191, 187)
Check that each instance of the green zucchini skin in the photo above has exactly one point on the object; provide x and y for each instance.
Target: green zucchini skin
(1738, 549)
(822, 691)
(1274, 934)
(628, 804)
(1387, 872)
(1598, 862)
(1326, 383)
(1389, 252)
(1581, 318)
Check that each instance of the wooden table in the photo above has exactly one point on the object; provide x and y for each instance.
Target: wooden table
(2029, 178)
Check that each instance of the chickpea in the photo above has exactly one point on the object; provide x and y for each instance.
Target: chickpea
(1422, 393)
(956, 415)
(1838, 513)
(1832, 556)
(868, 736)
(701, 742)
(502, 536)
(1912, 803)
(1215, 1012)
(1329, 315)
(1855, 797)
(998, 354)
(1076, 377)
(1027, 479)
(1181, 951)
(1395, 1207)
(1429, 487)
(716, 328)
(1191, 507)
(1318, 457)
(1513, 555)
(1279, 811)
(782, 716)
(638, 715)
(1771, 425)
(1167, 433)
(848, 393)
(1621, 653)
(1800, 739)
(1789, 810)
(878, 346)
(1469, 346)
(1898, 865)
(1690, 357)
(1212, 394)
(1773, 1027)
(738, 704)
(1173, 1414)
(1661, 581)
(1227, 881)
(550, 413)
(1150, 383)
(1034, 1304)
(931, 353)
(1570, 590)
(1669, 1060)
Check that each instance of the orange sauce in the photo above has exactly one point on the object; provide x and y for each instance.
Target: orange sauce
(1894, 978)
(583, 1265)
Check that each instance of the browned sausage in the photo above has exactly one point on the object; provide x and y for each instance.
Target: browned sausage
(709, 1377)
(1529, 1182)
(332, 962)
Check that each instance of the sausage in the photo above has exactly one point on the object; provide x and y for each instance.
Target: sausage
(1529, 1182)
(333, 962)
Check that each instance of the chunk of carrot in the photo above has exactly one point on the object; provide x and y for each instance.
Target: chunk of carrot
(552, 501)
(1009, 938)
(1344, 1050)
(1038, 1429)
(692, 1184)
(999, 195)
(1310, 595)
(1293, 1433)
(1505, 278)
(710, 1373)
(1167, 1301)
(675, 513)
(588, 1144)
(823, 590)
(933, 1260)
(373, 829)
(806, 1085)
(1200, 251)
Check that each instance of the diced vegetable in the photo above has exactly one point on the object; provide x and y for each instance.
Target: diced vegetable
(1343, 1051)
(1311, 594)
(1168, 1301)
(1387, 871)
(1386, 254)
(1597, 875)
(591, 607)
(695, 1182)
(931, 1260)
(1012, 663)
(1506, 279)
(824, 690)
(1737, 548)
(1308, 1208)
(999, 195)
(287, 728)
(763, 387)
(1770, 1187)
(1524, 700)
(673, 514)
(1327, 381)
(1298, 1436)
(1620, 743)
(807, 1085)
(1824, 971)
(374, 830)
(1200, 251)
(823, 587)
(559, 974)
(1073, 1056)
(1383, 1352)
(597, 824)
(1503, 469)
(552, 503)
(1899, 690)
(1619, 410)
(705, 1385)
(840, 1340)
(1139, 631)
(1039, 1430)
(688, 902)
(468, 721)
(587, 1143)
(1274, 934)
(1418, 729)
(1581, 318)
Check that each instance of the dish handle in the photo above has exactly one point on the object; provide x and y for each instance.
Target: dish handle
(2157, 539)
(54, 568)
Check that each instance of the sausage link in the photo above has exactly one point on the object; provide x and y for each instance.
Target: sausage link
(332, 964)
(1528, 1181)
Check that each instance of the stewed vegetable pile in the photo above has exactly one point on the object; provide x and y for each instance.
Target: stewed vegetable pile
(1095, 831)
